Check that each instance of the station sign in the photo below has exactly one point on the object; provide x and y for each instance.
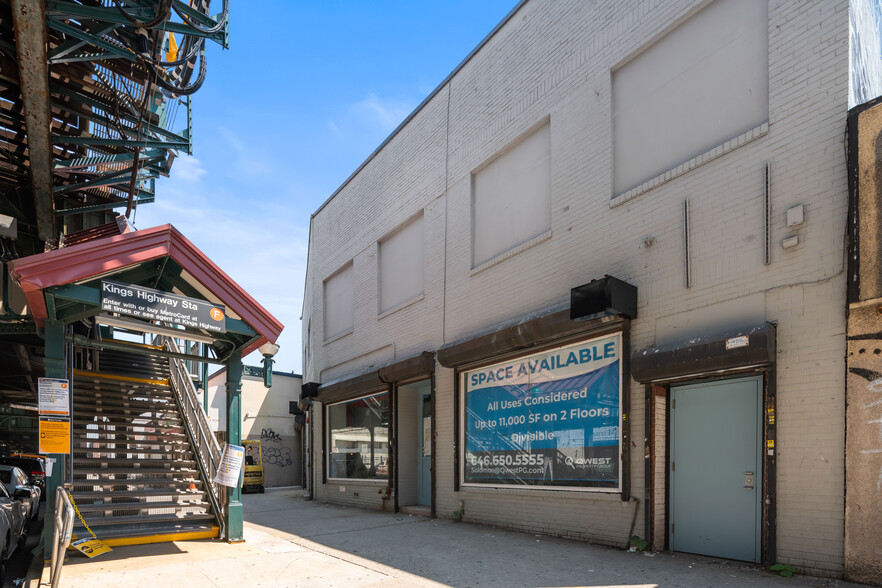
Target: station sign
(54, 435)
(54, 396)
(54, 401)
(155, 305)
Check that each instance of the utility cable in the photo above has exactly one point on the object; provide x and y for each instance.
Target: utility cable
(162, 15)
(206, 30)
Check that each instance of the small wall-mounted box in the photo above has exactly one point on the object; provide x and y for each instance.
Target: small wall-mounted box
(8, 227)
(790, 242)
(795, 216)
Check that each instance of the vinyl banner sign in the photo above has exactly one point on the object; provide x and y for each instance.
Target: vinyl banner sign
(155, 305)
(550, 419)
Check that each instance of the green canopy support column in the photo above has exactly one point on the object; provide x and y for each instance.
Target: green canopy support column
(233, 526)
(55, 367)
(204, 376)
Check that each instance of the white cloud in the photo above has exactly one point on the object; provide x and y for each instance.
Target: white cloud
(246, 159)
(256, 242)
(384, 112)
(187, 169)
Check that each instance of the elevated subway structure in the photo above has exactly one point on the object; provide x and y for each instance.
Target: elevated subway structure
(94, 107)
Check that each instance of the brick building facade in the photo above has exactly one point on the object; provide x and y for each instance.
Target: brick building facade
(693, 150)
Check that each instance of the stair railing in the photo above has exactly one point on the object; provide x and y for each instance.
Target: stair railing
(207, 448)
(64, 515)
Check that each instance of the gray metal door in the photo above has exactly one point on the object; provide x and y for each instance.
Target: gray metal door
(424, 452)
(716, 468)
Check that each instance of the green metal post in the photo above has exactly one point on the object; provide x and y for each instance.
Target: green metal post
(55, 367)
(233, 526)
(267, 372)
(204, 376)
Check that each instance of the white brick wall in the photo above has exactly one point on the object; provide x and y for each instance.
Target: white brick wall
(552, 60)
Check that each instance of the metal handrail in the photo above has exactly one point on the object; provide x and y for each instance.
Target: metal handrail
(64, 517)
(208, 451)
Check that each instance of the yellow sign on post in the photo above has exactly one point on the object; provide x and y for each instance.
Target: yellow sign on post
(88, 547)
(54, 435)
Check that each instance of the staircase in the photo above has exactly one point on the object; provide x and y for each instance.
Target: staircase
(135, 476)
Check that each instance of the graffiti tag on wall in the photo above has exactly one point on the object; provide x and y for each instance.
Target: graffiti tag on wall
(278, 456)
(270, 435)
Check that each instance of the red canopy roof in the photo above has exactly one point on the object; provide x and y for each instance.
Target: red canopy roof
(102, 256)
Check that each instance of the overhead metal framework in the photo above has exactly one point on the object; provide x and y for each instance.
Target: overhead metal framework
(94, 105)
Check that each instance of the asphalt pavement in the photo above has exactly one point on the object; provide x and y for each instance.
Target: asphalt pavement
(294, 542)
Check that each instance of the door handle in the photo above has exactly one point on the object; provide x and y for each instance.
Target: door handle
(748, 480)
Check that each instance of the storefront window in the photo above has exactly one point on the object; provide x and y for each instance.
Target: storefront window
(359, 438)
(549, 420)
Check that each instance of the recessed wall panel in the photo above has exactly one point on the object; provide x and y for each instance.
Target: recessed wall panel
(339, 312)
(511, 198)
(705, 82)
(401, 265)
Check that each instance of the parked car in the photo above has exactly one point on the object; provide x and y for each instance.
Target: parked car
(7, 541)
(32, 465)
(14, 513)
(19, 487)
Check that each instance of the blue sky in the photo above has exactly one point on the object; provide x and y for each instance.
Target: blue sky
(305, 93)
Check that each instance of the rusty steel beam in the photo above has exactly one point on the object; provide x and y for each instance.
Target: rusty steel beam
(29, 23)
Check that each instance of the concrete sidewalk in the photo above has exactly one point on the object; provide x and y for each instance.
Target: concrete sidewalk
(294, 542)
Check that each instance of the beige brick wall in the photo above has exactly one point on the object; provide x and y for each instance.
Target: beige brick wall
(659, 471)
(552, 61)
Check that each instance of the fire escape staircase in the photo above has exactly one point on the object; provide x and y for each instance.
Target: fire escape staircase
(143, 461)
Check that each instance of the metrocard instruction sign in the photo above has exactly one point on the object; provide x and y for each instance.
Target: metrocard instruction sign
(54, 404)
(549, 419)
(155, 305)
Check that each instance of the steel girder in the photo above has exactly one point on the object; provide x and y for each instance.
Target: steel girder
(105, 129)
(29, 20)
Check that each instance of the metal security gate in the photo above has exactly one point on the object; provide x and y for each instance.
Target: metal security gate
(716, 469)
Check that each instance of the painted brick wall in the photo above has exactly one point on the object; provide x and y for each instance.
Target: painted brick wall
(659, 470)
(552, 61)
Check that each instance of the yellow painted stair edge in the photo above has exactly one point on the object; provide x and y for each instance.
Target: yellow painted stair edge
(211, 533)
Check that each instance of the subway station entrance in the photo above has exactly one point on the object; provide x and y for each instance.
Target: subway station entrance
(131, 323)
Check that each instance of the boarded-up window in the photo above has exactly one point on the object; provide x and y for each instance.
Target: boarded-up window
(511, 198)
(339, 312)
(401, 265)
(705, 82)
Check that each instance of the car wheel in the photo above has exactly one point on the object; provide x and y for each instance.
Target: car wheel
(261, 489)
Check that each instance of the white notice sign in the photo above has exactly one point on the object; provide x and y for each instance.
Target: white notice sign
(427, 436)
(54, 396)
(736, 342)
(230, 466)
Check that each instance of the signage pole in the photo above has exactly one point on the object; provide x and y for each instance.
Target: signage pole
(203, 348)
(233, 526)
(55, 367)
